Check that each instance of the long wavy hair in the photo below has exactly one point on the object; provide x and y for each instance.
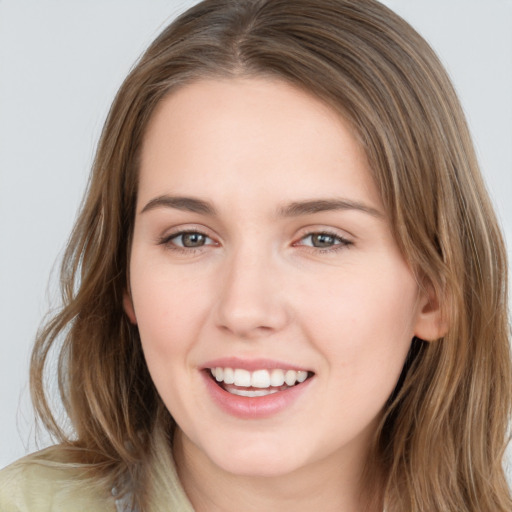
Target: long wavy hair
(441, 442)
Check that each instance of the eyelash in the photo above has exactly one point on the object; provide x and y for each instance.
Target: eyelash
(340, 242)
(167, 241)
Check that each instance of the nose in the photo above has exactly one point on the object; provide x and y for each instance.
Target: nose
(251, 299)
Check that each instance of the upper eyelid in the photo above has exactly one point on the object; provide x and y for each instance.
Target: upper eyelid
(183, 229)
(342, 240)
(326, 233)
(176, 234)
(332, 231)
(182, 233)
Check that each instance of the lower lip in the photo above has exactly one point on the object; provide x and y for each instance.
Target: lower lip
(257, 407)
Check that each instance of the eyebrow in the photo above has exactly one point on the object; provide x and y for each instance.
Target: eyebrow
(298, 208)
(187, 204)
(294, 209)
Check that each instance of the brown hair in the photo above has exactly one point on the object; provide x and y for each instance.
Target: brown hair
(441, 443)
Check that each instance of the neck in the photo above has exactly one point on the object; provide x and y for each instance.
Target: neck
(323, 485)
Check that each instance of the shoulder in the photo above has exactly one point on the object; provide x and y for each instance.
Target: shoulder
(43, 483)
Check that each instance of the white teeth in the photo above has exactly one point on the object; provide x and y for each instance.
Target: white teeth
(242, 378)
(229, 376)
(301, 376)
(262, 379)
(276, 377)
(253, 392)
(290, 377)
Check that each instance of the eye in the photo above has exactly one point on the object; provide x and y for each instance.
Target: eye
(324, 240)
(188, 240)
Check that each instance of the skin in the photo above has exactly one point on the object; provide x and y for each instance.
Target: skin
(259, 288)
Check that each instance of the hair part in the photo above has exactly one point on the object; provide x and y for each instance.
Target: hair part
(443, 434)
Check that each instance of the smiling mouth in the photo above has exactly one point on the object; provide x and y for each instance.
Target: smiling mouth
(258, 383)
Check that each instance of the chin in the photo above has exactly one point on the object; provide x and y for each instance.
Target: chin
(264, 468)
(254, 461)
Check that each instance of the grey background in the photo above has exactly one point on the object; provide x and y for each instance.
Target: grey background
(61, 63)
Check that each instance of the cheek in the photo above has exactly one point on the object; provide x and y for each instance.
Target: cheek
(363, 323)
(169, 311)
(364, 336)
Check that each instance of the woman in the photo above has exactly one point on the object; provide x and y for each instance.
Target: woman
(286, 288)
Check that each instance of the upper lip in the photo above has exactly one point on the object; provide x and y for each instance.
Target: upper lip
(252, 364)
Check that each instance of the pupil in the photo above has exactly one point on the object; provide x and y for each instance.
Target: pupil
(323, 240)
(193, 240)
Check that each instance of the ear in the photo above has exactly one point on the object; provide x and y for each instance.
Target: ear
(431, 321)
(128, 307)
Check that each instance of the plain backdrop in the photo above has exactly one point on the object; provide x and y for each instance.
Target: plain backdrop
(61, 63)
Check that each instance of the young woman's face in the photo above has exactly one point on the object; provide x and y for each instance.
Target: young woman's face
(262, 252)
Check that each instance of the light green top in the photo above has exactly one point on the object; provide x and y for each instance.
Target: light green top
(38, 484)
(29, 485)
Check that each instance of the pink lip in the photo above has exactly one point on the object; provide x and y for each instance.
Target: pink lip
(252, 408)
(250, 364)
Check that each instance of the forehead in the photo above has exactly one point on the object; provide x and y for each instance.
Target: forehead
(242, 135)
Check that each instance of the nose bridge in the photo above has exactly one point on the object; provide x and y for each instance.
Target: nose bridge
(249, 300)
